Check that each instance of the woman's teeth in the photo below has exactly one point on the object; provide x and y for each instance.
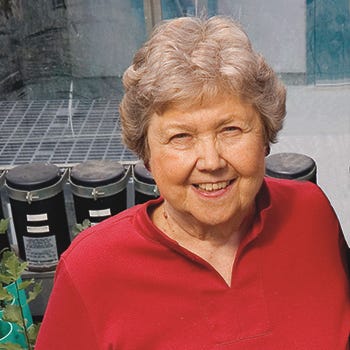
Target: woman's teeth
(213, 186)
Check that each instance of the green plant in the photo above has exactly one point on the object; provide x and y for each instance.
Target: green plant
(77, 228)
(11, 271)
(3, 226)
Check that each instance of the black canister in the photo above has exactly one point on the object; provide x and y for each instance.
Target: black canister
(2, 181)
(99, 189)
(38, 208)
(144, 185)
(292, 166)
(4, 240)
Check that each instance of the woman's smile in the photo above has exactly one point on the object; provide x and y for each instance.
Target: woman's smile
(213, 190)
(212, 187)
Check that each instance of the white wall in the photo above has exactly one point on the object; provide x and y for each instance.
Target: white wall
(277, 29)
(104, 35)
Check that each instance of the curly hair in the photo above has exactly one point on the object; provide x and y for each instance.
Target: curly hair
(188, 59)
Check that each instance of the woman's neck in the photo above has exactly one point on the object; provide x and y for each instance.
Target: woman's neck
(186, 227)
(217, 244)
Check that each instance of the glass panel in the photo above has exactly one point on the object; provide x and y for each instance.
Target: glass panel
(54, 48)
(277, 29)
(61, 65)
(329, 41)
(179, 8)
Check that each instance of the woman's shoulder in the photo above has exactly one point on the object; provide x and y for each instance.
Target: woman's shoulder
(106, 235)
(301, 201)
(116, 240)
(302, 198)
(303, 191)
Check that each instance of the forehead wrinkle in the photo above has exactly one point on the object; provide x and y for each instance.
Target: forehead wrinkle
(178, 116)
(218, 121)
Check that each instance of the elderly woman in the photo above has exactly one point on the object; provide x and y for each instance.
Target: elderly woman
(225, 258)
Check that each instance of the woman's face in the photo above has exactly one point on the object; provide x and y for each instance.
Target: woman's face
(208, 160)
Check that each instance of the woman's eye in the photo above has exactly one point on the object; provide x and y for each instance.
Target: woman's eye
(231, 129)
(180, 136)
(181, 140)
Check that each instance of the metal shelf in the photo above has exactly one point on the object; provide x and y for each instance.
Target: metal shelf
(60, 132)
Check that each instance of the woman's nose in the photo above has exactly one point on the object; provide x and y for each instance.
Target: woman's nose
(209, 156)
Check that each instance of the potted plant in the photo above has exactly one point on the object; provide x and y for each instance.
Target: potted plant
(15, 295)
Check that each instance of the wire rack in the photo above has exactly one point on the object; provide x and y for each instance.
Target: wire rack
(60, 132)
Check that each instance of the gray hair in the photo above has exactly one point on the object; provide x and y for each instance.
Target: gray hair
(188, 59)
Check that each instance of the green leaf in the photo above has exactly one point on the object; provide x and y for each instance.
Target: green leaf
(77, 228)
(37, 288)
(86, 223)
(4, 294)
(4, 223)
(12, 265)
(10, 346)
(32, 333)
(25, 284)
(6, 279)
(12, 313)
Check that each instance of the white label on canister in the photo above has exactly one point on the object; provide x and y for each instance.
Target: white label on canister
(99, 213)
(38, 229)
(40, 250)
(37, 217)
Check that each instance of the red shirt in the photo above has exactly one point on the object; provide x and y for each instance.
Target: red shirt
(123, 284)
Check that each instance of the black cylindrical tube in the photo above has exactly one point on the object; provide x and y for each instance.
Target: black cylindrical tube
(99, 189)
(145, 187)
(4, 240)
(292, 166)
(38, 208)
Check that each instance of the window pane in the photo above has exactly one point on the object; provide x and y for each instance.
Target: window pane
(51, 48)
(179, 8)
(328, 41)
(61, 65)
